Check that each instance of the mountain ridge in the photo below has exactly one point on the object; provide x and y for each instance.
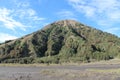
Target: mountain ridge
(61, 41)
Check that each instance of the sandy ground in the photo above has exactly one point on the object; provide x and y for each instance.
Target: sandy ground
(93, 71)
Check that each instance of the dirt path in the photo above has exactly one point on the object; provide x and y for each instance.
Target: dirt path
(61, 72)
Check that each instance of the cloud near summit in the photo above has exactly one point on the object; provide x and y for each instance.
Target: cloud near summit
(104, 12)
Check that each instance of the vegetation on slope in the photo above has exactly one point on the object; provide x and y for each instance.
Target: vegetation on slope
(62, 41)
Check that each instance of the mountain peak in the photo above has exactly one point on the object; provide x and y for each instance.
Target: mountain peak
(63, 23)
(67, 22)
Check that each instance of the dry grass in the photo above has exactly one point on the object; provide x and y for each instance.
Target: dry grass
(112, 71)
(22, 65)
(111, 62)
(34, 65)
(82, 75)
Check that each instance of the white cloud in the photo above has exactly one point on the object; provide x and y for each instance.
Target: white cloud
(4, 37)
(104, 12)
(28, 14)
(76, 1)
(21, 3)
(24, 11)
(20, 16)
(113, 30)
(66, 14)
(96, 8)
(8, 21)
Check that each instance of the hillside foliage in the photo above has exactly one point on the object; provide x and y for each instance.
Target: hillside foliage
(62, 41)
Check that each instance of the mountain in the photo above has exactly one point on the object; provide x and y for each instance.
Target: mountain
(61, 41)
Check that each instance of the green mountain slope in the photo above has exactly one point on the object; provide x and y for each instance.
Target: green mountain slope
(61, 41)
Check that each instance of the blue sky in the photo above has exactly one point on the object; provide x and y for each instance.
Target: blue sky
(21, 17)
